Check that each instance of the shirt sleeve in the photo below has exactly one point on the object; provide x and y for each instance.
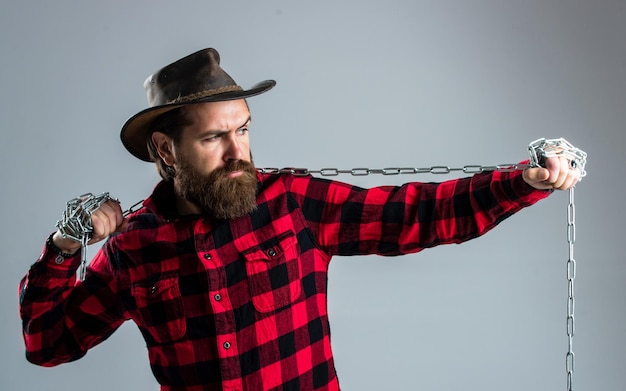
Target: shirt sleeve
(395, 220)
(62, 317)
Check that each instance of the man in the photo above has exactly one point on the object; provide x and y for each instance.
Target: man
(224, 269)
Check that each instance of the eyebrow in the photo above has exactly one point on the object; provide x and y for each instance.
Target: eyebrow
(220, 132)
(246, 122)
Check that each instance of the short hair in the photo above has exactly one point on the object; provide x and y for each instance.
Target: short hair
(170, 123)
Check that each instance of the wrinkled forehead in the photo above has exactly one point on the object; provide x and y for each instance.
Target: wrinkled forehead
(225, 115)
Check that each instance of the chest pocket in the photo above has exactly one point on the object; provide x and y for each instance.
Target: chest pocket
(160, 309)
(274, 273)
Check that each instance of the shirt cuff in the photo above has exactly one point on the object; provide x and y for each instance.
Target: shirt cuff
(54, 258)
(525, 191)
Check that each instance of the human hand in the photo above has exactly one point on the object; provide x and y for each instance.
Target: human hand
(558, 174)
(106, 220)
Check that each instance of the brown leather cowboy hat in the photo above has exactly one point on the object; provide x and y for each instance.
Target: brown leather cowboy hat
(197, 78)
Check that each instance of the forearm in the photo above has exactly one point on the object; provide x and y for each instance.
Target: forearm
(470, 207)
(43, 295)
(59, 323)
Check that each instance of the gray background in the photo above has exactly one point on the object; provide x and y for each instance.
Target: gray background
(360, 83)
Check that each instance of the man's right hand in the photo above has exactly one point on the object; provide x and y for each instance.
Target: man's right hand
(105, 221)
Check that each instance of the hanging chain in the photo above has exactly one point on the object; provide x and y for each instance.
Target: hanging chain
(539, 150)
(571, 275)
(76, 221)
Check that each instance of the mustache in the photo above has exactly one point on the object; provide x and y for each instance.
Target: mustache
(236, 165)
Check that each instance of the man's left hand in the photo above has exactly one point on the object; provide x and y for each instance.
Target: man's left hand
(558, 174)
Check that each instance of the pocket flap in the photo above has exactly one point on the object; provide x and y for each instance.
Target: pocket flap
(154, 289)
(271, 249)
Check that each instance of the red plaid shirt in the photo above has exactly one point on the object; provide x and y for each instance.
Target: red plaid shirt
(241, 304)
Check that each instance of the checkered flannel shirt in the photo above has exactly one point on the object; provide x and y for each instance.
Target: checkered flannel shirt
(241, 304)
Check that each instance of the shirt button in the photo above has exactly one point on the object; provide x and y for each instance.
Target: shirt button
(207, 256)
(226, 345)
(271, 252)
(59, 259)
(217, 297)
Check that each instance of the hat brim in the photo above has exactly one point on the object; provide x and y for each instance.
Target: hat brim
(137, 128)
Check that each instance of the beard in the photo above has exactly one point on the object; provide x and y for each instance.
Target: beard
(217, 194)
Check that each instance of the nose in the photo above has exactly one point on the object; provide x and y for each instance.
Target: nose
(234, 149)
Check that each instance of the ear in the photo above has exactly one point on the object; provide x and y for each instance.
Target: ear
(165, 147)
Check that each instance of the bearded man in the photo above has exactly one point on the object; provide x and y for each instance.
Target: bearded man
(224, 269)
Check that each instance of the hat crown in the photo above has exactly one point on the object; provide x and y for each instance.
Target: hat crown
(194, 76)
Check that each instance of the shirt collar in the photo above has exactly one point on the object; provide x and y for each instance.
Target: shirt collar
(162, 201)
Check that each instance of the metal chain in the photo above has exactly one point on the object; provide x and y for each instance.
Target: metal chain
(541, 149)
(76, 223)
(571, 275)
(361, 171)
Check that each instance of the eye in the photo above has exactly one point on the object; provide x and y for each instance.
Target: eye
(242, 131)
(212, 138)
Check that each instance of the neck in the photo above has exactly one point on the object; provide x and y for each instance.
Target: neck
(185, 207)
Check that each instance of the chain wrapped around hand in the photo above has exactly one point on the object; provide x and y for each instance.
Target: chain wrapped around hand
(76, 223)
(541, 149)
